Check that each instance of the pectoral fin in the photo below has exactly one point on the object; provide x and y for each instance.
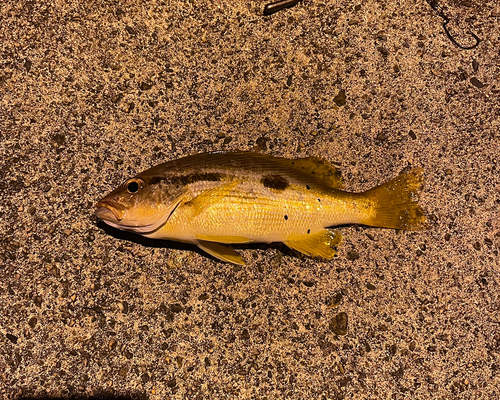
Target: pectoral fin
(210, 197)
(319, 244)
(224, 253)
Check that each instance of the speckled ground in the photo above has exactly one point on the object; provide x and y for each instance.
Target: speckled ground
(92, 92)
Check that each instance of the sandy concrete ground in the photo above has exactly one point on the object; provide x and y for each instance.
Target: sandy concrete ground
(93, 92)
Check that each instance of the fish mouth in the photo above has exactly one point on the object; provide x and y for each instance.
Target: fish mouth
(109, 212)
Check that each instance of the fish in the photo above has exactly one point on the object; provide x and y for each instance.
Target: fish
(215, 200)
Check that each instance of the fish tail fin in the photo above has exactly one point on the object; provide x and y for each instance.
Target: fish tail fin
(396, 203)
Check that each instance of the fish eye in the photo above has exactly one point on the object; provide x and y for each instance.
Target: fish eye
(134, 185)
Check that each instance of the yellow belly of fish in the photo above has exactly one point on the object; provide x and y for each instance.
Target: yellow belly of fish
(239, 218)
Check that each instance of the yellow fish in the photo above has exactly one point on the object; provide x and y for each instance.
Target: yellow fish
(215, 199)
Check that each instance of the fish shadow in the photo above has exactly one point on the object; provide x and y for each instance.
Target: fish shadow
(170, 244)
(144, 241)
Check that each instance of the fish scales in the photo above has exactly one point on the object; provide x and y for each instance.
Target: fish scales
(222, 198)
(267, 216)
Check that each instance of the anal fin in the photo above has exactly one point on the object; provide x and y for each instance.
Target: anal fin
(223, 253)
(319, 244)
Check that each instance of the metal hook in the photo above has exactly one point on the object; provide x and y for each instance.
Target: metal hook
(445, 27)
(440, 12)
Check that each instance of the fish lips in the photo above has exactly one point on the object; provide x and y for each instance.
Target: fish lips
(109, 211)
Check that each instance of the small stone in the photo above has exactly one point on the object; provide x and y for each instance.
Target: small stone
(448, 172)
(447, 237)
(245, 335)
(54, 271)
(146, 86)
(262, 142)
(168, 332)
(369, 286)
(203, 296)
(32, 322)
(381, 137)
(124, 307)
(28, 64)
(11, 337)
(130, 30)
(176, 308)
(145, 378)
(352, 255)
(475, 65)
(128, 354)
(114, 66)
(172, 383)
(339, 99)
(116, 97)
(477, 246)
(338, 324)
(383, 51)
(336, 300)
(476, 82)
(412, 135)
(59, 139)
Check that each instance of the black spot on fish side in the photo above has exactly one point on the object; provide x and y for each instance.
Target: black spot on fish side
(286, 217)
(308, 187)
(308, 231)
(274, 182)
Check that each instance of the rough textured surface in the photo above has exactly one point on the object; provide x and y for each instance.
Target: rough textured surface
(92, 92)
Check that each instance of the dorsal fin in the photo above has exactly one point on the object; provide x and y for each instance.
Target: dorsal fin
(319, 169)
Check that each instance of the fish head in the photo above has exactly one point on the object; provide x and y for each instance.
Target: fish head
(136, 206)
